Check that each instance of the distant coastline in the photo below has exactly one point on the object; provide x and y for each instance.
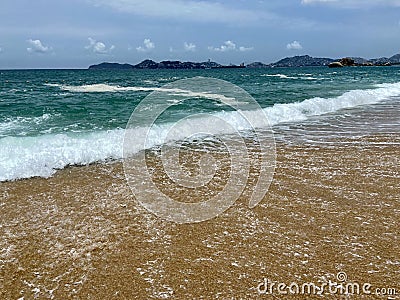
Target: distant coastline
(295, 61)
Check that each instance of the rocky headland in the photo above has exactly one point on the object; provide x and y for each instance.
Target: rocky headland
(288, 62)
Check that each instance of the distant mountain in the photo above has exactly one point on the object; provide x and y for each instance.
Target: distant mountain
(295, 61)
(257, 65)
(146, 64)
(379, 61)
(111, 66)
(187, 65)
(360, 60)
(395, 59)
(151, 64)
(302, 61)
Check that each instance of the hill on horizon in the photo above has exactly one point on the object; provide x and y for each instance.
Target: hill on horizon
(287, 62)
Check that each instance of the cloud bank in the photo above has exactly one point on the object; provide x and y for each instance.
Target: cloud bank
(295, 45)
(243, 49)
(354, 3)
(98, 47)
(148, 46)
(229, 46)
(188, 10)
(189, 47)
(36, 46)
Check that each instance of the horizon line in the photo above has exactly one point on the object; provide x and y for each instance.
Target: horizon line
(209, 60)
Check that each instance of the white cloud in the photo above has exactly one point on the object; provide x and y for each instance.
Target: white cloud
(295, 45)
(37, 47)
(98, 47)
(227, 46)
(353, 3)
(188, 10)
(230, 46)
(243, 49)
(148, 45)
(190, 47)
(1, 50)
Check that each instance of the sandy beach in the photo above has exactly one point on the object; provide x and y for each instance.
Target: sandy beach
(82, 235)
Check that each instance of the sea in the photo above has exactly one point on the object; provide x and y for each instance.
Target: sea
(51, 119)
(73, 217)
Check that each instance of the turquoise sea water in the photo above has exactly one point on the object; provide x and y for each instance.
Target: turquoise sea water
(53, 118)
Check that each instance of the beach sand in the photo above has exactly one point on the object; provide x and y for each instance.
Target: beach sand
(331, 208)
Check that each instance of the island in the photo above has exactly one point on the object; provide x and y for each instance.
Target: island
(288, 62)
(151, 64)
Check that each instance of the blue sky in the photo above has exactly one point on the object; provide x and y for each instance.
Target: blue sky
(77, 33)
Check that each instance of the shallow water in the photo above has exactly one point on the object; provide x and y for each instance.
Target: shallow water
(333, 206)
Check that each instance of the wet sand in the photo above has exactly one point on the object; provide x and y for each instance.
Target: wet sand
(82, 235)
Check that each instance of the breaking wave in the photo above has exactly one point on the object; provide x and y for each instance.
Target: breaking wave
(24, 157)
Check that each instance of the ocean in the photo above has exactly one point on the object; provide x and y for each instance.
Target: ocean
(72, 199)
(50, 119)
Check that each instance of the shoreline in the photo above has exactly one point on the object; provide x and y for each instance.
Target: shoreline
(338, 116)
(80, 233)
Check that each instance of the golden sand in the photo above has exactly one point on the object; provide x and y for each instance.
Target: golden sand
(82, 235)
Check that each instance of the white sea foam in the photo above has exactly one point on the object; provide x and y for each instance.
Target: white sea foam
(24, 157)
(294, 112)
(9, 125)
(310, 78)
(103, 88)
(281, 76)
(301, 76)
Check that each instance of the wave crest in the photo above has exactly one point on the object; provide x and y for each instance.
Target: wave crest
(24, 157)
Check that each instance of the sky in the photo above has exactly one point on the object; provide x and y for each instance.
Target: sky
(78, 33)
